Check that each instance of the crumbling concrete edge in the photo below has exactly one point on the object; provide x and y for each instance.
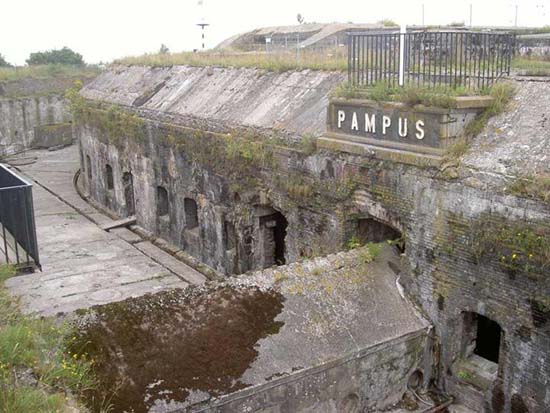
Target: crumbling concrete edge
(290, 377)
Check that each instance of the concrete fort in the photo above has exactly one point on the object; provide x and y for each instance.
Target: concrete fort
(217, 162)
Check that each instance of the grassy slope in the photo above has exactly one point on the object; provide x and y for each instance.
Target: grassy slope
(37, 374)
(46, 72)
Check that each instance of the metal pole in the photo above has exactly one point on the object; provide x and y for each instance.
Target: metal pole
(516, 18)
(402, 54)
(471, 15)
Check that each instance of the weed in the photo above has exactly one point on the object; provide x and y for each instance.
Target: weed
(410, 94)
(6, 271)
(464, 375)
(353, 243)
(280, 62)
(388, 23)
(534, 187)
(457, 149)
(38, 346)
(308, 144)
(46, 72)
(374, 249)
(532, 66)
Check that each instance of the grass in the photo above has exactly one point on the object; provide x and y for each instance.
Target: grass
(409, 94)
(37, 373)
(502, 93)
(335, 60)
(46, 72)
(533, 187)
(531, 66)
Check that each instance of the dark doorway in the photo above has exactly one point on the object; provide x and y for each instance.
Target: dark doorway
(370, 230)
(191, 213)
(488, 339)
(128, 185)
(163, 206)
(109, 177)
(274, 230)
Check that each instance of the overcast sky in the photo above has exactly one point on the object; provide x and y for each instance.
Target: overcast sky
(103, 30)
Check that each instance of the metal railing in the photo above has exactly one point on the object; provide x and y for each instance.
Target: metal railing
(448, 59)
(18, 243)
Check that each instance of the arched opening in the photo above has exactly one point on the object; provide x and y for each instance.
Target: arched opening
(273, 234)
(367, 230)
(128, 187)
(109, 180)
(88, 167)
(163, 206)
(191, 213)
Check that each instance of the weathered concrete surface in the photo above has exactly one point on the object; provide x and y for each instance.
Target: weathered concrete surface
(341, 330)
(293, 102)
(82, 264)
(516, 142)
(20, 117)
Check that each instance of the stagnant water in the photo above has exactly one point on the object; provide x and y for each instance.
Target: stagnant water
(161, 347)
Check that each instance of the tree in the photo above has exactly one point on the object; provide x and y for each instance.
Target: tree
(63, 56)
(164, 49)
(3, 62)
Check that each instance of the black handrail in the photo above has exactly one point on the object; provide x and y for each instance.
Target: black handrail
(18, 243)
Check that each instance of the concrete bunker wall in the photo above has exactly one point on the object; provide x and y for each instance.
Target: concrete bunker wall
(438, 219)
(41, 121)
(456, 266)
(237, 228)
(370, 380)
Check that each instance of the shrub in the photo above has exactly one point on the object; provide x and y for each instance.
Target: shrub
(3, 62)
(64, 56)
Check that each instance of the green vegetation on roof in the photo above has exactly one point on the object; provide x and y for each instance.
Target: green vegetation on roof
(277, 62)
(47, 72)
(410, 94)
(531, 66)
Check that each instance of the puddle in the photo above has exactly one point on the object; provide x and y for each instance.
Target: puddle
(161, 348)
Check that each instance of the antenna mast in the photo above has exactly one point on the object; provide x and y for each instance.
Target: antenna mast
(202, 24)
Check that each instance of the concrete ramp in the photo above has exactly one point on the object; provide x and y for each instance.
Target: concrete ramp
(83, 265)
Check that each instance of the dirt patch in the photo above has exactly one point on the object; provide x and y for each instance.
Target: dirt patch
(159, 348)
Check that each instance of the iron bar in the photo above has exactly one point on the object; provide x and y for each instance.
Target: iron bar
(449, 59)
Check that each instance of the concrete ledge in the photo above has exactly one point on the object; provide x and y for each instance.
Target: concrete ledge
(390, 154)
(473, 102)
(460, 102)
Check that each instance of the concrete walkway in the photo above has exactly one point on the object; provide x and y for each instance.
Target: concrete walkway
(82, 264)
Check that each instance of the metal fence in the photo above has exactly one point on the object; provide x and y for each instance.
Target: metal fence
(449, 59)
(18, 243)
